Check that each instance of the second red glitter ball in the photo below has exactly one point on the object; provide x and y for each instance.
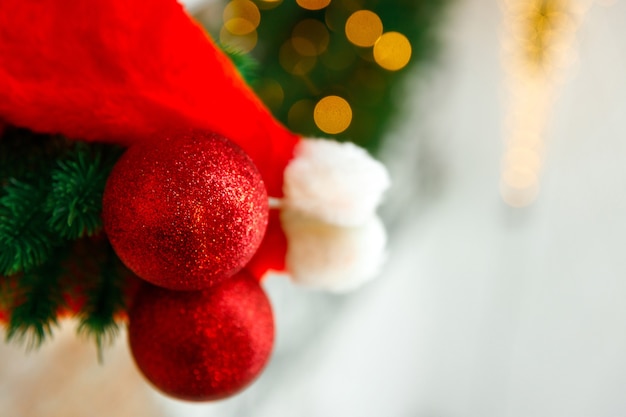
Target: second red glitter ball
(202, 345)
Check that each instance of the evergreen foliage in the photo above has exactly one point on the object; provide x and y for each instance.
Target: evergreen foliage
(51, 249)
(103, 301)
(75, 200)
(37, 300)
(25, 241)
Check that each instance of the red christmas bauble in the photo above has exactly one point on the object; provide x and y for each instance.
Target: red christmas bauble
(202, 345)
(185, 213)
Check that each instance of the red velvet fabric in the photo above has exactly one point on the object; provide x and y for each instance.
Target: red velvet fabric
(122, 71)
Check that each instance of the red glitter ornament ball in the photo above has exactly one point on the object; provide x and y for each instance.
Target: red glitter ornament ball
(185, 213)
(202, 345)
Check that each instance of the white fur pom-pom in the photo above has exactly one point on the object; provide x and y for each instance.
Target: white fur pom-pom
(338, 183)
(330, 257)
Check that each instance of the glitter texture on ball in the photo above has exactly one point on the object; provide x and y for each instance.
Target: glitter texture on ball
(202, 345)
(185, 212)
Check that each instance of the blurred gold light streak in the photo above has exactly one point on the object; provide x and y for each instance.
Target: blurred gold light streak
(538, 51)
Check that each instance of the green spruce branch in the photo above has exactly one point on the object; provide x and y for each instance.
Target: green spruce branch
(37, 300)
(25, 241)
(58, 199)
(75, 200)
(103, 301)
(50, 205)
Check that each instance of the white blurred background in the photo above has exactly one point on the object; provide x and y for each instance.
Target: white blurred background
(482, 310)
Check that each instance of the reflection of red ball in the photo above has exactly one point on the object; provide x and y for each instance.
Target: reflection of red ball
(185, 213)
(202, 345)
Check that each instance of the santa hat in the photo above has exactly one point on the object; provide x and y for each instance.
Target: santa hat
(125, 71)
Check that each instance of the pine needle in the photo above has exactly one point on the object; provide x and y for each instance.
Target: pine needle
(39, 298)
(25, 241)
(104, 301)
(75, 200)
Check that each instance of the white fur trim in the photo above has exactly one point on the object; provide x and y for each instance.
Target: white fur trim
(331, 257)
(338, 183)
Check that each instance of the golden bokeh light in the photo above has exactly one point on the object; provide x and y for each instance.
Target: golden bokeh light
(313, 4)
(242, 43)
(392, 51)
(363, 28)
(241, 17)
(332, 114)
(310, 37)
(293, 62)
